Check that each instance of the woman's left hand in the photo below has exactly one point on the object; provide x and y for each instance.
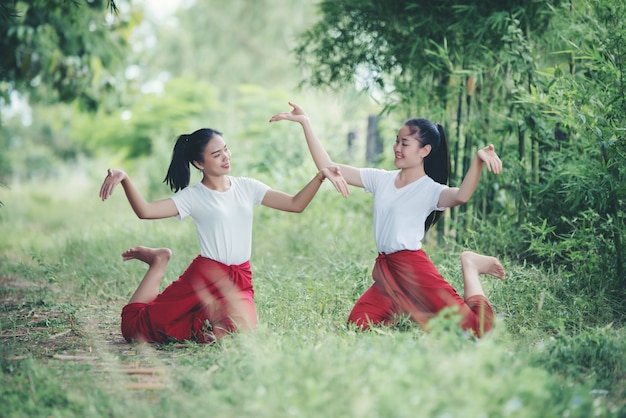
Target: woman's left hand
(491, 159)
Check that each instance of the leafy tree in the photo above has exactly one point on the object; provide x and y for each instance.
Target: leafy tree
(58, 50)
(579, 206)
(460, 62)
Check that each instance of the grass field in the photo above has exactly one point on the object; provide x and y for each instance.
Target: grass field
(63, 284)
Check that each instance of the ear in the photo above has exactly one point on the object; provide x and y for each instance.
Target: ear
(198, 165)
(425, 150)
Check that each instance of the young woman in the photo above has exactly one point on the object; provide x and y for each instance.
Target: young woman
(407, 202)
(214, 296)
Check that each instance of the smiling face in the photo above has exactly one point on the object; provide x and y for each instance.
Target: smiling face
(216, 156)
(408, 149)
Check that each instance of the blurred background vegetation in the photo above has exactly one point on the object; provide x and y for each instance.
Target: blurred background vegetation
(85, 85)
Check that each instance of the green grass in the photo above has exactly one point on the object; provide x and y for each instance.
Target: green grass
(63, 284)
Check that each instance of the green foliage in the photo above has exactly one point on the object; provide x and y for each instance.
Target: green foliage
(394, 45)
(580, 199)
(133, 131)
(58, 51)
(595, 355)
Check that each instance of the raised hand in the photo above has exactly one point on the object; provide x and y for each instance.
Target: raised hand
(296, 115)
(113, 178)
(491, 159)
(333, 174)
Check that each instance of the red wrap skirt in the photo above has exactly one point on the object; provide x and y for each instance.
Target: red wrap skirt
(407, 282)
(209, 300)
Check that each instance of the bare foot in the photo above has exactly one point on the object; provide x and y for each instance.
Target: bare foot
(147, 255)
(482, 264)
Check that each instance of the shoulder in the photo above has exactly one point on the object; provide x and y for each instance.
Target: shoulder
(189, 190)
(377, 172)
(374, 179)
(248, 183)
(433, 185)
(429, 181)
(245, 181)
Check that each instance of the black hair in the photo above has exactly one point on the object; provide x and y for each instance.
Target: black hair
(187, 149)
(437, 162)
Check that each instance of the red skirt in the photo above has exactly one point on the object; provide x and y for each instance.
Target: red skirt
(407, 282)
(209, 300)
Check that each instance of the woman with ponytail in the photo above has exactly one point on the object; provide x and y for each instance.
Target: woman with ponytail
(407, 202)
(214, 296)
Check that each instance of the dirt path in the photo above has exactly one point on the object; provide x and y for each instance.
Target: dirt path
(85, 334)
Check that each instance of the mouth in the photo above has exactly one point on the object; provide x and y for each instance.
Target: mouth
(226, 166)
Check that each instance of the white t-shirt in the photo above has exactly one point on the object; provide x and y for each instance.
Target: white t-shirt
(399, 214)
(223, 219)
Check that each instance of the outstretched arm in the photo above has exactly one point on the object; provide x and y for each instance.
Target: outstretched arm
(145, 210)
(321, 158)
(455, 196)
(282, 201)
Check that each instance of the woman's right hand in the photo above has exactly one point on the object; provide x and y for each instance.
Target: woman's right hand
(333, 174)
(113, 178)
(296, 115)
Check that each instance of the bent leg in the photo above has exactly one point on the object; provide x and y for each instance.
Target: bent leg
(416, 287)
(157, 260)
(481, 318)
(474, 265)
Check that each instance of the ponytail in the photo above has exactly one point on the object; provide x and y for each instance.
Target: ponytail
(437, 166)
(437, 162)
(187, 149)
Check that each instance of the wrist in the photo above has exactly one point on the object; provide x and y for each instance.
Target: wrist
(320, 176)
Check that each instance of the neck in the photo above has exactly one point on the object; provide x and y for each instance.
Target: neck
(409, 175)
(219, 183)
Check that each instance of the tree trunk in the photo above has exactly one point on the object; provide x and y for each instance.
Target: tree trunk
(374, 146)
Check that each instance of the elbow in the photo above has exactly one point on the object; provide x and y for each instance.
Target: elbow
(298, 208)
(142, 214)
(462, 200)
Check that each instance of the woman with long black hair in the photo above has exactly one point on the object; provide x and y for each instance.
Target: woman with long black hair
(214, 296)
(407, 202)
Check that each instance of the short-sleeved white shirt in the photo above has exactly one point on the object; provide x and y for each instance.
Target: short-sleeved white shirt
(223, 219)
(400, 213)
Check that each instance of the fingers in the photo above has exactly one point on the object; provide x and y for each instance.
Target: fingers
(281, 116)
(334, 174)
(491, 159)
(341, 186)
(107, 186)
(495, 165)
(295, 111)
(105, 191)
